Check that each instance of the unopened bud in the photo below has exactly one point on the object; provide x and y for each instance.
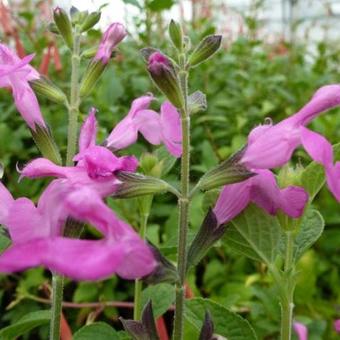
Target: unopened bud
(143, 329)
(165, 77)
(176, 34)
(46, 88)
(206, 48)
(111, 38)
(134, 185)
(207, 330)
(228, 172)
(46, 144)
(64, 26)
(90, 21)
(91, 76)
(209, 233)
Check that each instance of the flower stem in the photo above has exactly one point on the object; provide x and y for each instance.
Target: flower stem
(138, 283)
(287, 304)
(56, 308)
(183, 203)
(57, 280)
(74, 101)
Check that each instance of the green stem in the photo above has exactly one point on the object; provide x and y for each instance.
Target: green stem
(287, 304)
(138, 283)
(56, 308)
(183, 203)
(57, 280)
(74, 102)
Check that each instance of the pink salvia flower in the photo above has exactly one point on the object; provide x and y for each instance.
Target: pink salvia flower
(337, 325)
(36, 234)
(157, 61)
(16, 74)
(156, 128)
(301, 330)
(271, 146)
(111, 38)
(96, 165)
(264, 192)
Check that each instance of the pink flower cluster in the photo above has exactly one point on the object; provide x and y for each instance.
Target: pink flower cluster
(271, 146)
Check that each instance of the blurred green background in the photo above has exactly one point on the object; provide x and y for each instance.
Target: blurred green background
(251, 78)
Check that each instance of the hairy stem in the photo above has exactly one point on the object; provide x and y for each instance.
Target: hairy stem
(138, 283)
(183, 203)
(56, 307)
(287, 304)
(74, 102)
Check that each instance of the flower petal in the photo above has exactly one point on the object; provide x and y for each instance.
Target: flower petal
(148, 124)
(6, 200)
(171, 129)
(301, 330)
(88, 131)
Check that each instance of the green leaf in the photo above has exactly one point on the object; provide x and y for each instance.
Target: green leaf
(254, 234)
(25, 324)
(311, 229)
(161, 295)
(98, 331)
(226, 323)
(313, 177)
(160, 5)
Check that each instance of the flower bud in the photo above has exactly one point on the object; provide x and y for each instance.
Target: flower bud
(52, 27)
(165, 77)
(111, 38)
(144, 329)
(209, 233)
(228, 172)
(134, 185)
(63, 23)
(90, 21)
(207, 330)
(91, 76)
(176, 34)
(46, 144)
(46, 88)
(206, 48)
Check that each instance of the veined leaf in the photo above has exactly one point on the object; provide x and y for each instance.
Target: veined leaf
(98, 331)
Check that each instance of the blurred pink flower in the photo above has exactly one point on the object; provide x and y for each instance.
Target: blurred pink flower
(37, 236)
(111, 38)
(337, 325)
(271, 146)
(156, 128)
(16, 74)
(301, 330)
(264, 192)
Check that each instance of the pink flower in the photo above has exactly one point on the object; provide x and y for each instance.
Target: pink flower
(264, 192)
(111, 38)
(301, 330)
(271, 146)
(337, 325)
(156, 128)
(16, 74)
(37, 236)
(96, 165)
(157, 61)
